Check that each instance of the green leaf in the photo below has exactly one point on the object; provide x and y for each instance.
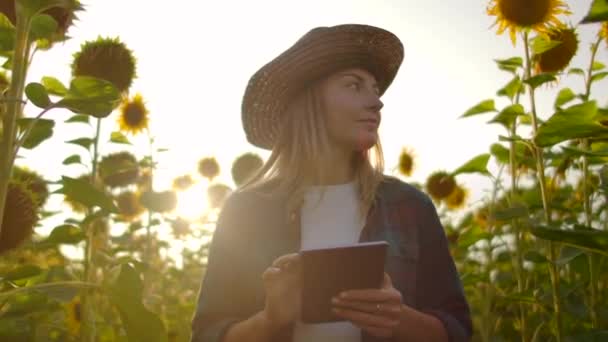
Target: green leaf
(540, 79)
(578, 152)
(125, 292)
(62, 293)
(482, 107)
(513, 212)
(65, 234)
(54, 86)
(589, 239)
(43, 26)
(576, 71)
(574, 122)
(568, 253)
(598, 12)
(564, 96)
(79, 118)
(597, 65)
(508, 115)
(511, 89)
(37, 94)
(41, 131)
(598, 76)
(510, 64)
(119, 138)
(479, 164)
(22, 272)
(91, 96)
(84, 142)
(7, 34)
(73, 159)
(500, 152)
(542, 44)
(83, 192)
(33, 7)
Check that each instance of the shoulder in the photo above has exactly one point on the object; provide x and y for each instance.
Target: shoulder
(394, 190)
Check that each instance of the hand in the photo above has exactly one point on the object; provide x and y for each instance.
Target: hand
(282, 286)
(376, 311)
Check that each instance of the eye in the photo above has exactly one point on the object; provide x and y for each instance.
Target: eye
(354, 85)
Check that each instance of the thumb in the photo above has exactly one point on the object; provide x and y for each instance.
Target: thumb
(387, 282)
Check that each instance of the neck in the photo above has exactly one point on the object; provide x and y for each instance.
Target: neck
(340, 169)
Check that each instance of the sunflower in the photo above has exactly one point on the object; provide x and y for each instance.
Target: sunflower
(129, 206)
(217, 194)
(603, 33)
(34, 182)
(20, 216)
(180, 227)
(406, 162)
(73, 316)
(133, 115)
(208, 168)
(245, 166)
(440, 185)
(514, 15)
(119, 169)
(108, 59)
(458, 197)
(164, 201)
(64, 16)
(182, 183)
(558, 57)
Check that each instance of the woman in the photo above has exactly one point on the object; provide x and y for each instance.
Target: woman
(317, 108)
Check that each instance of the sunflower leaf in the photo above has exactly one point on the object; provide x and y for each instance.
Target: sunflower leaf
(37, 94)
(564, 96)
(597, 65)
(22, 272)
(540, 79)
(478, 164)
(91, 96)
(41, 131)
(511, 89)
(576, 71)
(84, 142)
(542, 44)
(592, 240)
(510, 64)
(480, 108)
(578, 121)
(7, 34)
(42, 27)
(65, 234)
(535, 257)
(119, 138)
(78, 118)
(599, 76)
(54, 86)
(83, 192)
(73, 159)
(508, 115)
(597, 12)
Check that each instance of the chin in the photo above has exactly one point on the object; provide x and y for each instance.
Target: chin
(365, 142)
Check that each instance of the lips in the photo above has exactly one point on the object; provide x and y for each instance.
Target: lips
(369, 120)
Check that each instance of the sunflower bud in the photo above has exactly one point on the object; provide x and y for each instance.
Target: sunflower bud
(208, 168)
(34, 182)
(129, 206)
(20, 216)
(164, 201)
(440, 185)
(119, 169)
(180, 227)
(245, 167)
(558, 57)
(107, 59)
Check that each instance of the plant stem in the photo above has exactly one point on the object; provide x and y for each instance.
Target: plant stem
(14, 107)
(540, 171)
(586, 195)
(58, 284)
(517, 229)
(89, 331)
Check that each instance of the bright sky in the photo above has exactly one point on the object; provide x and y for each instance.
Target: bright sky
(195, 58)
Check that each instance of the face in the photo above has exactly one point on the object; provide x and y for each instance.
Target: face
(352, 104)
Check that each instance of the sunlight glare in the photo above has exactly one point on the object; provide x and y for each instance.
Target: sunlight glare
(192, 203)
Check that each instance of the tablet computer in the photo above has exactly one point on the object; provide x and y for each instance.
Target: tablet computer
(328, 271)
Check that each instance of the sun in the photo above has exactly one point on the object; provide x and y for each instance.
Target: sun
(192, 203)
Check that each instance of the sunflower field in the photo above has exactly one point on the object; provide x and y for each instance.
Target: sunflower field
(533, 257)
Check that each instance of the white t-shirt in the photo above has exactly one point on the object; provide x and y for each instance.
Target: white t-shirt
(332, 221)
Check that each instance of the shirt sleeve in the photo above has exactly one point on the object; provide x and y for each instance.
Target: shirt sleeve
(220, 292)
(440, 291)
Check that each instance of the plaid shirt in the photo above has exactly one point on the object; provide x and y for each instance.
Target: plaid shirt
(253, 230)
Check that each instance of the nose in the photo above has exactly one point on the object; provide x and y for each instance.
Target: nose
(375, 104)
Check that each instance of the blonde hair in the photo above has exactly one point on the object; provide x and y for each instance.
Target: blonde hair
(300, 157)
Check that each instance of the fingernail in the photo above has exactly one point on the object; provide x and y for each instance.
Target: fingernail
(335, 300)
(343, 295)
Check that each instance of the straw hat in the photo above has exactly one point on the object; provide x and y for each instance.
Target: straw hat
(320, 52)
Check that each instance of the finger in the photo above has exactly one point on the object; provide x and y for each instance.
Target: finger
(387, 283)
(286, 260)
(378, 332)
(271, 273)
(386, 308)
(365, 319)
(371, 295)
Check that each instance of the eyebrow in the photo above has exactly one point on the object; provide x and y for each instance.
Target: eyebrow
(358, 77)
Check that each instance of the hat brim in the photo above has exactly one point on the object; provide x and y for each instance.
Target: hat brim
(317, 54)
